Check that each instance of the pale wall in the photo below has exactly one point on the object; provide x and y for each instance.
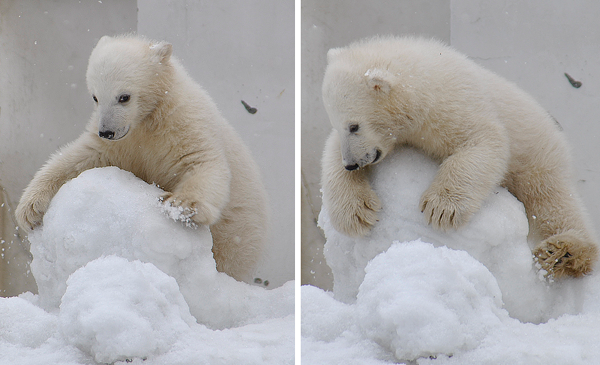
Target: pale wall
(532, 43)
(237, 50)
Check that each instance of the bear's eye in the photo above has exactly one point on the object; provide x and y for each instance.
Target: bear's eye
(353, 128)
(95, 98)
(124, 98)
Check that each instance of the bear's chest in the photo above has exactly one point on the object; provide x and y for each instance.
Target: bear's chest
(153, 165)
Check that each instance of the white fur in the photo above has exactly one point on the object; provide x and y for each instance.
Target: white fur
(484, 130)
(169, 132)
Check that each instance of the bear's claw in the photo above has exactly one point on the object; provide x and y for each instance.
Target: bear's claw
(30, 214)
(355, 217)
(566, 254)
(443, 212)
(200, 213)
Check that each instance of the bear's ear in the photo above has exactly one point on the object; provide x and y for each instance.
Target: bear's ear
(161, 52)
(332, 54)
(103, 40)
(379, 80)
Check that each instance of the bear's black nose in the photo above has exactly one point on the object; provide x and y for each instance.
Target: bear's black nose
(351, 167)
(107, 134)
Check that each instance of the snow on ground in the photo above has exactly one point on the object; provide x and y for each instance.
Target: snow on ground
(408, 293)
(122, 281)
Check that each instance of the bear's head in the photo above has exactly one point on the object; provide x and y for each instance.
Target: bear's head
(127, 78)
(359, 101)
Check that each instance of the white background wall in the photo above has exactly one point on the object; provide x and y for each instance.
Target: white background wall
(243, 50)
(237, 50)
(532, 43)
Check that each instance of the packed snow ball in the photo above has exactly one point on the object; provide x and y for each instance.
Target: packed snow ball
(485, 131)
(133, 310)
(410, 293)
(124, 278)
(75, 233)
(152, 119)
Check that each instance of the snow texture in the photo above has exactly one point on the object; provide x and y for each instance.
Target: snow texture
(120, 280)
(409, 293)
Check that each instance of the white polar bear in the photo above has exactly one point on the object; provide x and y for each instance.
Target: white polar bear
(153, 120)
(484, 130)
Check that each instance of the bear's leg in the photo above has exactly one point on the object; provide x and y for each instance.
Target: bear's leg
(567, 247)
(202, 191)
(66, 164)
(347, 195)
(463, 181)
(238, 241)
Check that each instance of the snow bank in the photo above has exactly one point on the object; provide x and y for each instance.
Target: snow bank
(409, 292)
(119, 279)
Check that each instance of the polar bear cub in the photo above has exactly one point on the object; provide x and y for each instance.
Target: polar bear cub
(484, 131)
(153, 120)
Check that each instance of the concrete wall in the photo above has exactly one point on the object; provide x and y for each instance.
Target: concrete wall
(238, 50)
(532, 43)
(44, 103)
(244, 50)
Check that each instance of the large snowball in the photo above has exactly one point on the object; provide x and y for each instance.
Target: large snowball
(496, 236)
(416, 307)
(397, 298)
(114, 309)
(109, 211)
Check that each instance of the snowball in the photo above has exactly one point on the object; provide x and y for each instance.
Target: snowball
(397, 298)
(120, 276)
(109, 211)
(418, 301)
(496, 236)
(114, 309)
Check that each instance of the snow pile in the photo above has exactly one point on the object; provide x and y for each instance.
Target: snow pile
(151, 312)
(496, 236)
(436, 305)
(22, 323)
(119, 280)
(408, 292)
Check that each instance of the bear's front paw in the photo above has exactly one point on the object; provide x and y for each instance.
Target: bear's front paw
(355, 215)
(30, 212)
(566, 254)
(200, 213)
(444, 211)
